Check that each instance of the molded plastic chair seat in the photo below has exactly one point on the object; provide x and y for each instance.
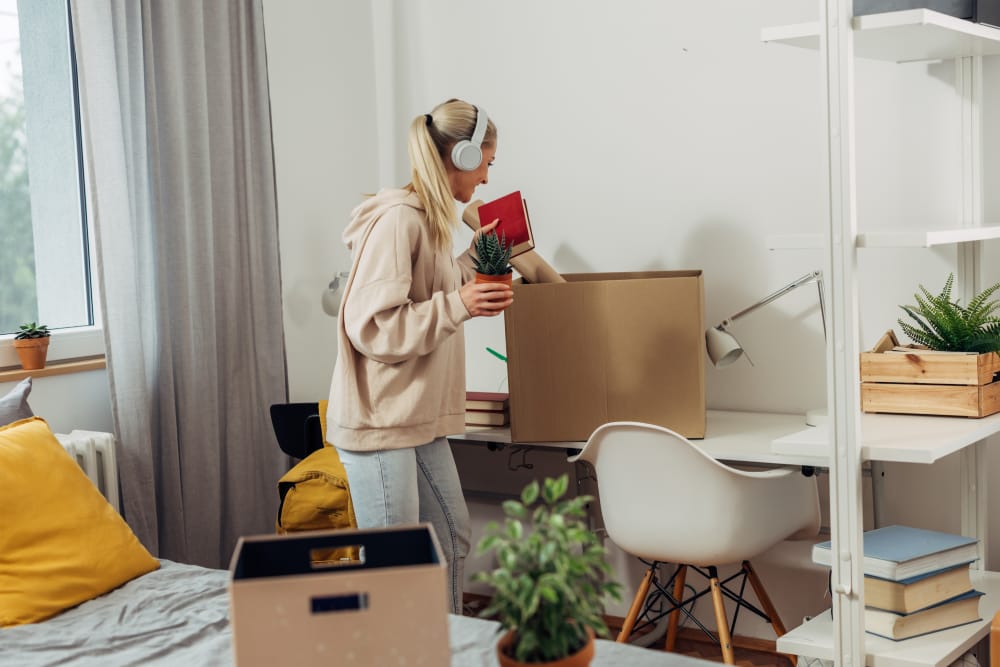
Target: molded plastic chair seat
(665, 500)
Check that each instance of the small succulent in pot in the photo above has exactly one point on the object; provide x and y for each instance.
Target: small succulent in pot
(493, 254)
(32, 330)
(944, 324)
(31, 342)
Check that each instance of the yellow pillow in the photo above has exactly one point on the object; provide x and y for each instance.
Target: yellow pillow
(61, 543)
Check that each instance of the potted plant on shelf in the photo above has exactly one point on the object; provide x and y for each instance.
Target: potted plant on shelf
(943, 324)
(549, 585)
(952, 365)
(32, 345)
(492, 260)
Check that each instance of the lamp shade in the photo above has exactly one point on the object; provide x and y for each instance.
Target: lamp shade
(722, 346)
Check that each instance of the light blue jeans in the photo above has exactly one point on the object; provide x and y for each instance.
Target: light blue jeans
(406, 486)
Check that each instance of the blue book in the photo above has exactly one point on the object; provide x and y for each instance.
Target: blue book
(900, 552)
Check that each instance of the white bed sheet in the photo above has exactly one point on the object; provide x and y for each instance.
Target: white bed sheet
(179, 616)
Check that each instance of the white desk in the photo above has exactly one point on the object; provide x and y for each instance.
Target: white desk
(739, 437)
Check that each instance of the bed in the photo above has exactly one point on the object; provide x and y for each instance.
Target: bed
(179, 615)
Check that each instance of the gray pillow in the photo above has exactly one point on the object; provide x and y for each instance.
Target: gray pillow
(14, 405)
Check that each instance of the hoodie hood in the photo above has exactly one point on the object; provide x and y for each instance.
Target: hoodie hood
(374, 208)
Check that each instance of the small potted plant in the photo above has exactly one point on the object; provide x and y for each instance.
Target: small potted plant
(32, 345)
(951, 368)
(492, 260)
(549, 585)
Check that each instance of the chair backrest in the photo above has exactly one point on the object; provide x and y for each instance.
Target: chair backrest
(298, 428)
(663, 498)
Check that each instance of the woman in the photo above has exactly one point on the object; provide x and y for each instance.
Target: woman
(399, 383)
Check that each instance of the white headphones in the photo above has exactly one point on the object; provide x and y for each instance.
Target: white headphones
(467, 154)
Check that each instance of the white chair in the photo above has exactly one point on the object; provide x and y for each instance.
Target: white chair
(665, 500)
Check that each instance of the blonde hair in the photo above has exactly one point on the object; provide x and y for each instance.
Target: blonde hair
(431, 138)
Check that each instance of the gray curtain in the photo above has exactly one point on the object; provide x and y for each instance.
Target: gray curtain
(177, 132)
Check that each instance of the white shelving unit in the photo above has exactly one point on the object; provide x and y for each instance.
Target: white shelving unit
(891, 238)
(853, 438)
(814, 638)
(906, 36)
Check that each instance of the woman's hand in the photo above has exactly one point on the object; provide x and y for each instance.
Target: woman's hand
(486, 299)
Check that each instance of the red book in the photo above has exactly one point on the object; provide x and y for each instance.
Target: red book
(515, 227)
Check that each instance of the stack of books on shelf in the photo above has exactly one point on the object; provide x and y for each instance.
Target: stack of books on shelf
(916, 581)
(487, 408)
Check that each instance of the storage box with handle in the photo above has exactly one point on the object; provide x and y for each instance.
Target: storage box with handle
(291, 606)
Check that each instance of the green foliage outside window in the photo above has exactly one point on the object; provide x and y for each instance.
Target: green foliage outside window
(18, 301)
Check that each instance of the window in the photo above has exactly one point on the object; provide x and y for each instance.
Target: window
(45, 253)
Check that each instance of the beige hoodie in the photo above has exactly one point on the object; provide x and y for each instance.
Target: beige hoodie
(399, 380)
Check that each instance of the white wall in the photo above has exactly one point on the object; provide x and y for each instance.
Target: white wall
(67, 402)
(321, 77)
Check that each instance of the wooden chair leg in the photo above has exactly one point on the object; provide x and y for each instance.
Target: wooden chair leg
(721, 622)
(637, 602)
(675, 614)
(766, 604)
(995, 640)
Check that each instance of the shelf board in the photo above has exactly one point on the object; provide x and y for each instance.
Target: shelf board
(891, 238)
(910, 35)
(815, 637)
(927, 239)
(904, 438)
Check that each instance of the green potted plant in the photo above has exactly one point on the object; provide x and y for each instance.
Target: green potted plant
(492, 260)
(944, 324)
(32, 345)
(952, 365)
(549, 585)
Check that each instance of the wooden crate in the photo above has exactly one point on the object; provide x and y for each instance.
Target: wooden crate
(914, 380)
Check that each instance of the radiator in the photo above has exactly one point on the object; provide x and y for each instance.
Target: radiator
(95, 452)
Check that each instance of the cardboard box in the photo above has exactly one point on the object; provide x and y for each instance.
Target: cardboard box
(913, 380)
(291, 606)
(604, 347)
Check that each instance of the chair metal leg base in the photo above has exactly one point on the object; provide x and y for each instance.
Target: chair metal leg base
(656, 599)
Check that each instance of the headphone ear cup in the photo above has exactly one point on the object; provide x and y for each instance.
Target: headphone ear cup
(466, 155)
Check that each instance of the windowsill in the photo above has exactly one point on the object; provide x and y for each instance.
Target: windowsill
(16, 373)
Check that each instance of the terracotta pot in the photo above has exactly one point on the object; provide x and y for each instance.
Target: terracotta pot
(581, 658)
(32, 352)
(507, 278)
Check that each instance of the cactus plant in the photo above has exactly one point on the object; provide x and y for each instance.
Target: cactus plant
(493, 254)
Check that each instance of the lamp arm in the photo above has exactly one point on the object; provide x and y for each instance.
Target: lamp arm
(795, 284)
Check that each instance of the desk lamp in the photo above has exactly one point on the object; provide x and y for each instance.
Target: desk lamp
(724, 349)
(333, 293)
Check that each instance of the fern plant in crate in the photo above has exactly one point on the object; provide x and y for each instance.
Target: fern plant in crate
(32, 345)
(492, 260)
(952, 369)
(940, 323)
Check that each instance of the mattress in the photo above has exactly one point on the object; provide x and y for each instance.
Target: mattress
(179, 615)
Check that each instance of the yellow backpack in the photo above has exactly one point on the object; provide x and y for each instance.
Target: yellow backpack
(315, 495)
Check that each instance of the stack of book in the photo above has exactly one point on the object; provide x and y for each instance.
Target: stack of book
(487, 408)
(916, 581)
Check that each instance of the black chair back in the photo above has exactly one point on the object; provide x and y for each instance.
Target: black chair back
(297, 428)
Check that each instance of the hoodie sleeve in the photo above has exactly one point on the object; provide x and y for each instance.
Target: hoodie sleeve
(382, 321)
(466, 265)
